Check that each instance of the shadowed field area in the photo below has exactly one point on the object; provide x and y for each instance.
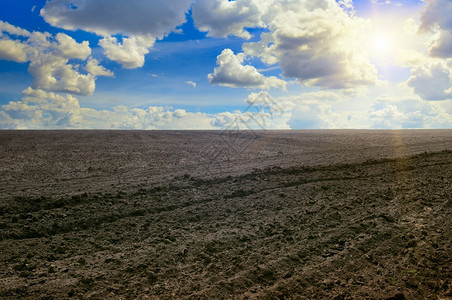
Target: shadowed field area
(211, 215)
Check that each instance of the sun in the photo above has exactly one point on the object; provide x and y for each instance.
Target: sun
(380, 42)
(382, 45)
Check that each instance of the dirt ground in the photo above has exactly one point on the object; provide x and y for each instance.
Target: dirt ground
(226, 215)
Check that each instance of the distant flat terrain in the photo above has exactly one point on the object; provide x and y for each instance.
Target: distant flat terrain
(226, 214)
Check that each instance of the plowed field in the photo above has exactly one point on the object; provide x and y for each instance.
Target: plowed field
(212, 215)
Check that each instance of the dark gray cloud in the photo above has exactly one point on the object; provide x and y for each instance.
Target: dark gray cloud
(438, 16)
(106, 17)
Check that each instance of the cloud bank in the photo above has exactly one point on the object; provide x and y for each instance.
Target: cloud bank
(41, 109)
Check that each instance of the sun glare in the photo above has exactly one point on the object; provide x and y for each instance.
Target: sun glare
(380, 42)
(382, 45)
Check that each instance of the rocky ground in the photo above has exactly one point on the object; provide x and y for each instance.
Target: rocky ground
(212, 215)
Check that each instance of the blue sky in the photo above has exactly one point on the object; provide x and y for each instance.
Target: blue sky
(198, 64)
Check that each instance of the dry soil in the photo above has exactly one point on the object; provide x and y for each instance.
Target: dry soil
(233, 215)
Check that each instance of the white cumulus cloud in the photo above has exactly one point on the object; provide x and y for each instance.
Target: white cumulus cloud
(52, 60)
(432, 80)
(140, 22)
(13, 50)
(130, 53)
(10, 48)
(316, 42)
(40, 109)
(14, 30)
(52, 73)
(67, 47)
(223, 18)
(93, 67)
(50, 67)
(232, 73)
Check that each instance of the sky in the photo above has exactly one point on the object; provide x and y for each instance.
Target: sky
(216, 64)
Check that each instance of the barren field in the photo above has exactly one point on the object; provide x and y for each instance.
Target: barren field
(226, 215)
